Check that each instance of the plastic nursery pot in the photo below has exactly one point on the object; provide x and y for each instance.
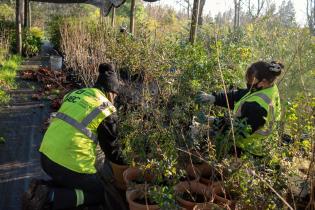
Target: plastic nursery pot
(189, 194)
(118, 171)
(137, 201)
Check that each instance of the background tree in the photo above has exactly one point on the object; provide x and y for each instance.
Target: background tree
(287, 14)
(225, 18)
(237, 11)
(194, 21)
(187, 6)
(200, 15)
(132, 16)
(255, 10)
(310, 12)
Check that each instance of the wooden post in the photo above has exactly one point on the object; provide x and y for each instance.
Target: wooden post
(18, 16)
(132, 16)
(194, 22)
(113, 16)
(27, 14)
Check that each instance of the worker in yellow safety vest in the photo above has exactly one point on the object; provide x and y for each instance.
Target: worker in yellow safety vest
(68, 155)
(256, 109)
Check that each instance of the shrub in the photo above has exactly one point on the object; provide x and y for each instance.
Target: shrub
(160, 77)
(7, 77)
(7, 28)
(32, 41)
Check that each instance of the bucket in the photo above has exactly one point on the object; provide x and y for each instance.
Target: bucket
(55, 62)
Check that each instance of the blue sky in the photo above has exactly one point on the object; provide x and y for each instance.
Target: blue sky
(215, 6)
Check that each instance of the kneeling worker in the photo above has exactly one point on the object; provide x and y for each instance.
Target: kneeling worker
(68, 149)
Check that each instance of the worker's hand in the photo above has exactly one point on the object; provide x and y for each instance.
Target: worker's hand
(204, 119)
(203, 97)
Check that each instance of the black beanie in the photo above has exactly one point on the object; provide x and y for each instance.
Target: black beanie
(107, 78)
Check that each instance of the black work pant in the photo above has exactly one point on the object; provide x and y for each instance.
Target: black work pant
(66, 181)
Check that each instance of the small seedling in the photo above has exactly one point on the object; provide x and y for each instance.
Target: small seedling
(2, 140)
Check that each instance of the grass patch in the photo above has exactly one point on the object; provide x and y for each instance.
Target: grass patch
(4, 97)
(7, 77)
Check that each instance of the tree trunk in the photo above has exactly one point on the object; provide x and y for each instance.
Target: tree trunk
(27, 14)
(237, 9)
(113, 16)
(310, 12)
(132, 16)
(18, 16)
(194, 21)
(200, 18)
(238, 13)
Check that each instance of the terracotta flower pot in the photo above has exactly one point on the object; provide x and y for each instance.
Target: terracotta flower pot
(215, 187)
(193, 187)
(118, 171)
(224, 202)
(135, 174)
(132, 196)
(131, 174)
(199, 170)
(207, 206)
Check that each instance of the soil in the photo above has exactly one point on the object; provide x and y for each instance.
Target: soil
(186, 178)
(145, 202)
(194, 197)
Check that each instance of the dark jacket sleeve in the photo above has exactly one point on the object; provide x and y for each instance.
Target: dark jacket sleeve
(107, 137)
(232, 95)
(254, 115)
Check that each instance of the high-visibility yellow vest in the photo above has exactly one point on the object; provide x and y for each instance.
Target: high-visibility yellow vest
(269, 99)
(71, 138)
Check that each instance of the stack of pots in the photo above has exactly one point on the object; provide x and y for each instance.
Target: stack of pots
(210, 192)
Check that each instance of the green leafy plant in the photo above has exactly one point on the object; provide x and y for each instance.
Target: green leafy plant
(161, 75)
(32, 41)
(7, 77)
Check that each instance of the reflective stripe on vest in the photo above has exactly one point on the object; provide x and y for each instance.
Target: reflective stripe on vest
(88, 119)
(105, 107)
(76, 124)
(268, 101)
(71, 138)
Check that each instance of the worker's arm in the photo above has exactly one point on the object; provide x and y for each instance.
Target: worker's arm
(252, 115)
(107, 136)
(232, 95)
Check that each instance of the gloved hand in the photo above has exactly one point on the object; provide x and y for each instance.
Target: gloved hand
(203, 97)
(204, 119)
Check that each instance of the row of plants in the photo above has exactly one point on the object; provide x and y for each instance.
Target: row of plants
(160, 77)
(32, 37)
(9, 63)
(7, 77)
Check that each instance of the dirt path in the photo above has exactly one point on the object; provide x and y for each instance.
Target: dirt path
(21, 124)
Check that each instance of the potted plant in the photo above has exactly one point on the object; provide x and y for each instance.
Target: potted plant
(151, 187)
(189, 194)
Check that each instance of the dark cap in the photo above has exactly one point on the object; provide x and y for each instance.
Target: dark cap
(107, 78)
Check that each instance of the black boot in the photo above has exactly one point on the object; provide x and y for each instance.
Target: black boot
(36, 196)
